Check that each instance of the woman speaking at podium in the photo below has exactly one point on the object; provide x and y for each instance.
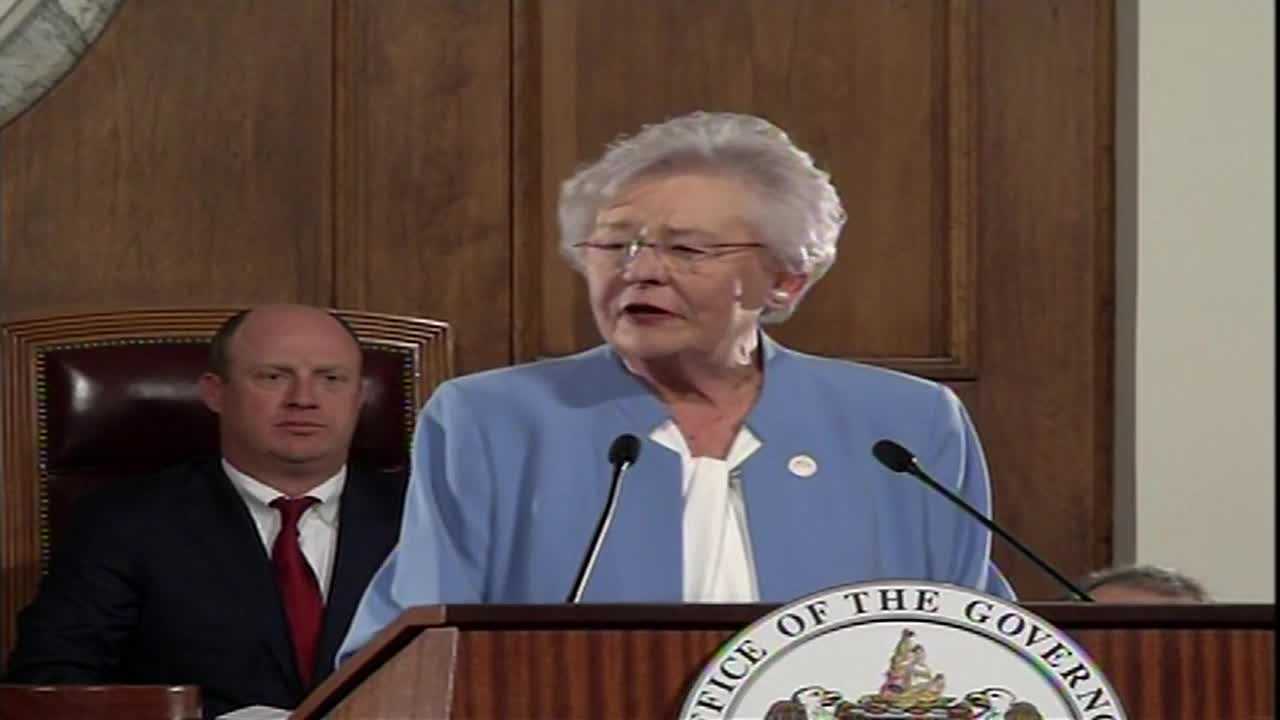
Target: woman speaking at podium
(754, 479)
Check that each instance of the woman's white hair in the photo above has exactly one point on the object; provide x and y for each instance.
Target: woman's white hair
(800, 215)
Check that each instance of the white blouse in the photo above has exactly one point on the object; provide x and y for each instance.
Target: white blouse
(718, 565)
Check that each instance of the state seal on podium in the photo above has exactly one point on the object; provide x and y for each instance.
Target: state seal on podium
(905, 650)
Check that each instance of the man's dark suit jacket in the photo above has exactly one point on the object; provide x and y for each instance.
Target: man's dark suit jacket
(166, 581)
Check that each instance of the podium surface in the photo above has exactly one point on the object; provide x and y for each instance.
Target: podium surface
(638, 661)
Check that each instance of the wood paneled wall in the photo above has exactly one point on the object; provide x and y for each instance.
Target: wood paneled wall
(423, 156)
(880, 92)
(405, 156)
(184, 160)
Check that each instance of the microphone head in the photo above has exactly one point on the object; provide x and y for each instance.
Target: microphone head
(624, 450)
(893, 456)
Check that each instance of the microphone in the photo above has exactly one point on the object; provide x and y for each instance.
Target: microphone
(900, 460)
(622, 454)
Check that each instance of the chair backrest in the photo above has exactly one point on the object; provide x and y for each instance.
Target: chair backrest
(97, 398)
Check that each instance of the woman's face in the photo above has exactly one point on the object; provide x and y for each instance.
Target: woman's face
(674, 268)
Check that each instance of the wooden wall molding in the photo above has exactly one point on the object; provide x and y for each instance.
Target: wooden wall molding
(960, 360)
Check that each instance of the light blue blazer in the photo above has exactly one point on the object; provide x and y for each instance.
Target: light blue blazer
(510, 475)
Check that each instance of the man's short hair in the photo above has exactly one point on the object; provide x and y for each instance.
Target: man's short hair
(1152, 578)
(220, 347)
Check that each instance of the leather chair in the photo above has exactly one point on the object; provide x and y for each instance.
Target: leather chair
(100, 398)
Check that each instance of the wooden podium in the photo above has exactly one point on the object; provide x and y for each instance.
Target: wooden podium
(1167, 662)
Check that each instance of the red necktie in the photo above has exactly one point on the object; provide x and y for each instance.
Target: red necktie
(303, 604)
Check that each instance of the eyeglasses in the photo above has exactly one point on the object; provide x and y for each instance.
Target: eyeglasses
(617, 249)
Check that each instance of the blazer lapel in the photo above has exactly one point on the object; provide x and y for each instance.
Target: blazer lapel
(223, 526)
(642, 558)
(806, 534)
(368, 525)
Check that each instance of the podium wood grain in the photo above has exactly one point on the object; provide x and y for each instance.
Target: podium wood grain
(1187, 662)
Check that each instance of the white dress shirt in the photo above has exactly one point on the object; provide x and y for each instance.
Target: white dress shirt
(317, 528)
(718, 565)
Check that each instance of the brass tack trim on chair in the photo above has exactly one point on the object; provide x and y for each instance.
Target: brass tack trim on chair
(42, 461)
(410, 378)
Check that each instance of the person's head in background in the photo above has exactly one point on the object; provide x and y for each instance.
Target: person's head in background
(1143, 584)
(285, 382)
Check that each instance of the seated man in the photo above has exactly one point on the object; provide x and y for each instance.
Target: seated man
(1143, 584)
(240, 574)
